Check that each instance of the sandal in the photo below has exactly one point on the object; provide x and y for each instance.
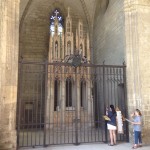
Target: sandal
(111, 144)
(134, 147)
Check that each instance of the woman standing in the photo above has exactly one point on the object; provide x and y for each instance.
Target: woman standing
(137, 126)
(111, 125)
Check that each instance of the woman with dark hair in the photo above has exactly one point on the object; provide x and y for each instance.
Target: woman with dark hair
(111, 124)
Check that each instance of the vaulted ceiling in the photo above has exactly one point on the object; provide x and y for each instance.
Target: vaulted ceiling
(84, 9)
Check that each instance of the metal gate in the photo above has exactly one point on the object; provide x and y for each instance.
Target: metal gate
(62, 104)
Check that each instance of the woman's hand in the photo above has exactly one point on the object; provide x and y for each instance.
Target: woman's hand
(106, 110)
(139, 123)
(132, 123)
(132, 115)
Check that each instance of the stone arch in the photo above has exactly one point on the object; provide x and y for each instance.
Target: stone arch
(69, 92)
(56, 94)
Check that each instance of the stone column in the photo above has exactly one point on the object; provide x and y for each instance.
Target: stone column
(88, 48)
(137, 33)
(9, 36)
(62, 53)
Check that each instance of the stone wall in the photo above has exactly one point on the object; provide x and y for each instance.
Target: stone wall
(137, 31)
(109, 39)
(121, 33)
(9, 37)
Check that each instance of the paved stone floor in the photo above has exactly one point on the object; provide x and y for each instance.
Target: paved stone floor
(97, 146)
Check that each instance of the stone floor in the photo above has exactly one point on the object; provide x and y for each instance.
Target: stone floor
(97, 146)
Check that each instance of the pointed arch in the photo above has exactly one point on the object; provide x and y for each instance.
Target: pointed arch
(69, 47)
(68, 92)
(82, 93)
(56, 94)
(68, 26)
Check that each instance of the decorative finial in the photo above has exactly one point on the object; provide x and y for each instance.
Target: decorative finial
(56, 13)
(68, 11)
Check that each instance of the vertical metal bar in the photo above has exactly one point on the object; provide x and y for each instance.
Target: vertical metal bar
(68, 105)
(46, 79)
(84, 108)
(71, 121)
(115, 87)
(40, 105)
(57, 115)
(111, 81)
(32, 126)
(95, 102)
(98, 102)
(102, 101)
(76, 109)
(27, 123)
(117, 94)
(60, 101)
(23, 130)
(36, 92)
(32, 92)
(52, 105)
(125, 100)
(49, 74)
(106, 138)
(23, 111)
(87, 117)
(79, 92)
(108, 75)
(63, 125)
(19, 103)
(72, 116)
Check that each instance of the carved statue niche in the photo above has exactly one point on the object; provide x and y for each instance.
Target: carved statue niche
(81, 49)
(69, 47)
(56, 49)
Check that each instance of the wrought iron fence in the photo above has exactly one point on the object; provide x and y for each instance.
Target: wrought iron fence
(61, 104)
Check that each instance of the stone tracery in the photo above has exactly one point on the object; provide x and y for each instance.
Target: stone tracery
(63, 51)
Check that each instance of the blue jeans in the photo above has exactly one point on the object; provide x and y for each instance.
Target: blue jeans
(137, 137)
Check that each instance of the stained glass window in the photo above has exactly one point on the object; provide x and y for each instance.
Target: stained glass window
(56, 14)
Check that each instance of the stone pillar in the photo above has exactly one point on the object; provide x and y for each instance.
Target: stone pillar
(88, 48)
(9, 36)
(137, 33)
(62, 47)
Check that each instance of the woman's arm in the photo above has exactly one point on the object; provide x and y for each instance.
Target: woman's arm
(139, 123)
(107, 111)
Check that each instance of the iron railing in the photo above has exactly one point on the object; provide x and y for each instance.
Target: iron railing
(62, 104)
